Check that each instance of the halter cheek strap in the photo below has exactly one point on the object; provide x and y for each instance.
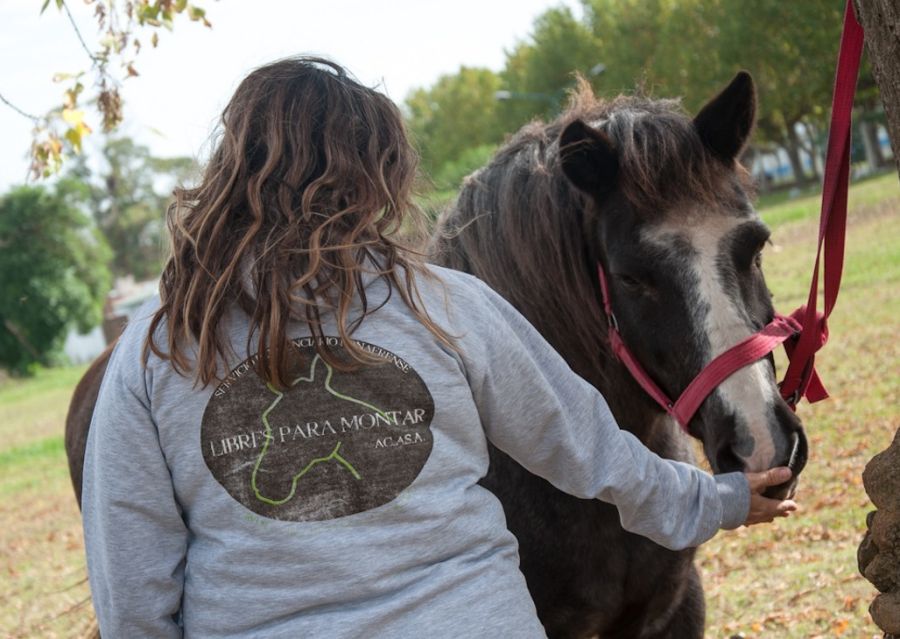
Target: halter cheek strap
(718, 370)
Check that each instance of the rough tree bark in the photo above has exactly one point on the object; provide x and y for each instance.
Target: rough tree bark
(880, 20)
(879, 553)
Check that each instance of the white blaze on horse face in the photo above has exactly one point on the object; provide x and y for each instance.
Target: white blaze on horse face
(750, 392)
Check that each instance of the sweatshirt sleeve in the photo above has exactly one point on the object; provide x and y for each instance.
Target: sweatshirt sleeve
(558, 426)
(134, 533)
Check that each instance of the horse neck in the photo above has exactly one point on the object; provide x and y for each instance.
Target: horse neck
(591, 358)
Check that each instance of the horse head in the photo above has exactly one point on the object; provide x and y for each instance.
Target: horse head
(672, 224)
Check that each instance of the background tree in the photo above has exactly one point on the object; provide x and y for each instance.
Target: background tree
(685, 48)
(881, 21)
(540, 69)
(53, 273)
(60, 132)
(692, 48)
(627, 34)
(790, 48)
(457, 113)
(460, 119)
(127, 198)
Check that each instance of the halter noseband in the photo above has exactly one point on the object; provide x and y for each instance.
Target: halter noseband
(718, 370)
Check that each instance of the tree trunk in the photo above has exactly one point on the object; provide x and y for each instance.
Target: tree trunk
(880, 20)
(792, 148)
(879, 553)
(815, 153)
(869, 131)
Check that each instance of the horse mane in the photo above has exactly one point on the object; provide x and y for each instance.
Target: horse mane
(520, 225)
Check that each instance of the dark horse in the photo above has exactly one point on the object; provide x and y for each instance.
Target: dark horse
(660, 201)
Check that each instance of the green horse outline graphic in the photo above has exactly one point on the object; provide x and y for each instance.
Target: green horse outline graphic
(333, 456)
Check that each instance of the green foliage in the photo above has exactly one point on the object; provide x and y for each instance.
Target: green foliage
(53, 274)
(541, 69)
(666, 48)
(629, 35)
(791, 48)
(128, 202)
(692, 48)
(780, 208)
(457, 113)
(60, 132)
(450, 175)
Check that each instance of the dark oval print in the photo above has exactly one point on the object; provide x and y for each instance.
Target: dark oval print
(332, 444)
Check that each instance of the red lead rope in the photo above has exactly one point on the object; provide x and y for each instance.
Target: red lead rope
(801, 379)
(806, 330)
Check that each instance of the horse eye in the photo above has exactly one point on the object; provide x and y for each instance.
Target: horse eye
(631, 282)
(748, 260)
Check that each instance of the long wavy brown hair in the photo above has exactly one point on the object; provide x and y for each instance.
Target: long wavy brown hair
(308, 188)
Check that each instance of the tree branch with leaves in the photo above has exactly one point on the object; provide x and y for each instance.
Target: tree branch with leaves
(123, 27)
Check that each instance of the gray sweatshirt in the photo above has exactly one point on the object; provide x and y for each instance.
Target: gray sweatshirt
(348, 505)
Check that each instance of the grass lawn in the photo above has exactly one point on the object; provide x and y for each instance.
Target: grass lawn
(43, 592)
(795, 579)
(780, 208)
(798, 578)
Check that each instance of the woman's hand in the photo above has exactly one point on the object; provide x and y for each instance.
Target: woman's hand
(763, 509)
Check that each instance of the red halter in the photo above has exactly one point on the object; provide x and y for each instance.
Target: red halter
(746, 352)
(807, 326)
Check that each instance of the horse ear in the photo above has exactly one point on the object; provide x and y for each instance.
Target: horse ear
(588, 158)
(724, 124)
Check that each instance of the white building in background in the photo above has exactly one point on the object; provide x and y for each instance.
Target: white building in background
(81, 349)
(126, 297)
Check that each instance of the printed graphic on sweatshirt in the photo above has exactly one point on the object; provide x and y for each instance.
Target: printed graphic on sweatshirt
(332, 444)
